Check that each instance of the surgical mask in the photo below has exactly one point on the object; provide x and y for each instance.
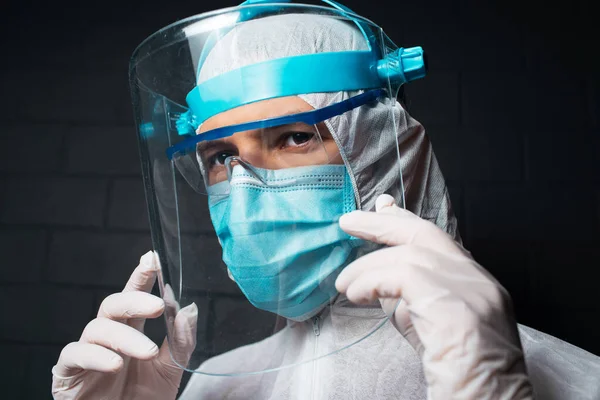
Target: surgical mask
(280, 237)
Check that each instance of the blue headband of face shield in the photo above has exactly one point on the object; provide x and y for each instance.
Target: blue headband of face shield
(309, 118)
(321, 72)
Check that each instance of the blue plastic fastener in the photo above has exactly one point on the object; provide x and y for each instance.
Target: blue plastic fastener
(403, 65)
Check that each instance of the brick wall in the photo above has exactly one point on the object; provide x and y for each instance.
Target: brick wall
(512, 105)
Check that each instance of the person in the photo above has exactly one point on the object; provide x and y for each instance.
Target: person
(333, 217)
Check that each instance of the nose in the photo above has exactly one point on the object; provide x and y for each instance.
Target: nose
(253, 154)
(232, 161)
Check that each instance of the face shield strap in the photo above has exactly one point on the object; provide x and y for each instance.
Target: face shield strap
(321, 72)
(309, 118)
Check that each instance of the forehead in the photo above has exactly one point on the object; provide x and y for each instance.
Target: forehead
(264, 109)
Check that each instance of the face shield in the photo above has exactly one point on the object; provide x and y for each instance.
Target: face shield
(242, 114)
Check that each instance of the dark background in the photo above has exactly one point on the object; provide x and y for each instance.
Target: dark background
(511, 103)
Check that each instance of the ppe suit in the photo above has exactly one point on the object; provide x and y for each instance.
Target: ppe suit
(383, 365)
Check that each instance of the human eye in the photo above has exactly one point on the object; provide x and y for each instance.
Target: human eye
(218, 158)
(296, 139)
(214, 154)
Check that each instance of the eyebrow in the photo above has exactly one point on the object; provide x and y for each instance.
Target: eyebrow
(285, 114)
(208, 145)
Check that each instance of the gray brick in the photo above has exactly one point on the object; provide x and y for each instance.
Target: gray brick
(13, 371)
(593, 96)
(194, 210)
(24, 253)
(107, 259)
(508, 261)
(237, 323)
(563, 52)
(540, 55)
(62, 201)
(487, 41)
(115, 42)
(566, 155)
(561, 104)
(421, 26)
(563, 212)
(491, 41)
(487, 154)
(50, 46)
(103, 150)
(128, 207)
(31, 148)
(103, 259)
(39, 376)
(435, 100)
(505, 212)
(442, 54)
(558, 271)
(203, 267)
(496, 213)
(520, 100)
(64, 95)
(596, 215)
(496, 99)
(44, 315)
(173, 196)
(192, 206)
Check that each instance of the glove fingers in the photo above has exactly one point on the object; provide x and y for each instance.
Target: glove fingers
(391, 256)
(171, 302)
(175, 354)
(394, 226)
(402, 321)
(382, 282)
(415, 283)
(143, 277)
(384, 201)
(120, 338)
(123, 306)
(77, 356)
(183, 340)
(386, 283)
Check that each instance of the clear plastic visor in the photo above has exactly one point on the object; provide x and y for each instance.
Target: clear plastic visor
(244, 202)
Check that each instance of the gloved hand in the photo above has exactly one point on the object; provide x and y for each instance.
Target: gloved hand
(453, 312)
(113, 359)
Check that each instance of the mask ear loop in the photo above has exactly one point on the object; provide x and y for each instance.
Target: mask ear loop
(231, 159)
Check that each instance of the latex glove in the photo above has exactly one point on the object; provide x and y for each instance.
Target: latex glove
(453, 312)
(113, 359)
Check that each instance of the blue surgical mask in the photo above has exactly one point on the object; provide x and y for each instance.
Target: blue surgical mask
(281, 239)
